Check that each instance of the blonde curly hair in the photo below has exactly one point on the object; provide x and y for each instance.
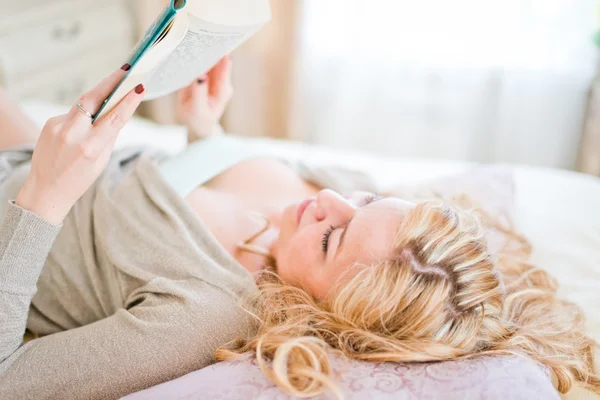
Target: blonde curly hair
(442, 296)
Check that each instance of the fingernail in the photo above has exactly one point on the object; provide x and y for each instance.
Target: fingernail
(201, 81)
(139, 89)
(126, 67)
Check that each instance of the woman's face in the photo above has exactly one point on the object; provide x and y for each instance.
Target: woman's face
(325, 236)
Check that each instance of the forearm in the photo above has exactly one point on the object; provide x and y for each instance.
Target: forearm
(173, 329)
(25, 241)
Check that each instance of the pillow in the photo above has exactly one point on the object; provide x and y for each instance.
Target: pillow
(491, 189)
(488, 378)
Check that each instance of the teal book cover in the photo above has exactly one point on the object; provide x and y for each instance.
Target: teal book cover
(152, 34)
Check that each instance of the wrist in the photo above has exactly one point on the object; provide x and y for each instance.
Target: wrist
(200, 133)
(42, 205)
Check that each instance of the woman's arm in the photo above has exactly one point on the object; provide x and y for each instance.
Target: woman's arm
(71, 152)
(173, 329)
(15, 127)
(201, 105)
(69, 156)
(25, 240)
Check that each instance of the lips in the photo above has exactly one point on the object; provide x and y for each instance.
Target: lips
(302, 207)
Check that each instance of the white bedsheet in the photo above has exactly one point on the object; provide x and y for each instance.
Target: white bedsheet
(559, 211)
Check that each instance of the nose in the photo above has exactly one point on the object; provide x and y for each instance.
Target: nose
(331, 205)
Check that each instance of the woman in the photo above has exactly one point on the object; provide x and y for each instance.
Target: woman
(140, 263)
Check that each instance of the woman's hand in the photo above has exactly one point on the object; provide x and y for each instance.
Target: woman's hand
(201, 105)
(71, 153)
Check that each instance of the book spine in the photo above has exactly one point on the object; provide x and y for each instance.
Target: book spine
(152, 33)
(146, 42)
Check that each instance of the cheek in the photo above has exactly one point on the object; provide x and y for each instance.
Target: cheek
(296, 258)
(287, 225)
(287, 229)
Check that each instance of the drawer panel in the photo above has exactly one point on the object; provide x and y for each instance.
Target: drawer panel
(49, 43)
(14, 9)
(63, 85)
(16, 15)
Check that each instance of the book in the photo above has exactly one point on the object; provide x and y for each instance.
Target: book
(187, 39)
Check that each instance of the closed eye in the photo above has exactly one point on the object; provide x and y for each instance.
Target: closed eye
(325, 241)
(370, 198)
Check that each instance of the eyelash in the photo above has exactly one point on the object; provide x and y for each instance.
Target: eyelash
(329, 231)
(325, 240)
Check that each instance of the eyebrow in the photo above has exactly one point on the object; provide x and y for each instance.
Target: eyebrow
(343, 235)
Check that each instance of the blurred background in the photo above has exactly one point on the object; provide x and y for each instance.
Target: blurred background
(515, 81)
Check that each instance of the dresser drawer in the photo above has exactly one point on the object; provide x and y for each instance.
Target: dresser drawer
(64, 84)
(10, 8)
(47, 43)
(17, 16)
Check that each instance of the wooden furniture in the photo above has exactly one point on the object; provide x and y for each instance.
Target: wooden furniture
(55, 50)
(264, 76)
(589, 153)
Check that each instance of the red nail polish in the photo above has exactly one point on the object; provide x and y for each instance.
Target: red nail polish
(139, 89)
(126, 67)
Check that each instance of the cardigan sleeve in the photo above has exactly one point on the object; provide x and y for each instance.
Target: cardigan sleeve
(25, 241)
(166, 330)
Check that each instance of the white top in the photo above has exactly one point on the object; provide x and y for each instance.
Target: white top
(203, 160)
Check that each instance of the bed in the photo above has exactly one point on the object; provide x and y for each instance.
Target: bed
(558, 210)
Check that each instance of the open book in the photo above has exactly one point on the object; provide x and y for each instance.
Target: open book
(187, 39)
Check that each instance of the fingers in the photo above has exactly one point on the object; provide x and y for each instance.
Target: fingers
(92, 100)
(220, 79)
(202, 79)
(204, 100)
(199, 93)
(107, 128)
(184, 95)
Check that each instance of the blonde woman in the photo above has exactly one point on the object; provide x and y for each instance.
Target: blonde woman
(131, 268)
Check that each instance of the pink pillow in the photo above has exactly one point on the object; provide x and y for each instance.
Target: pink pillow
(486, 378)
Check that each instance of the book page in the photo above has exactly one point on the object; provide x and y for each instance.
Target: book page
(231, 12)
(202, 47)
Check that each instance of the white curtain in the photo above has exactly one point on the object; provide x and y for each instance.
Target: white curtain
(476, 80)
